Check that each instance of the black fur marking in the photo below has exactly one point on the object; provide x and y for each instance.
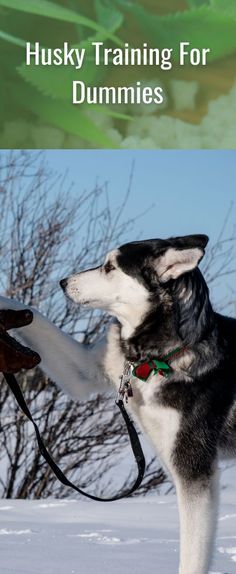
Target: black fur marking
(181, 314)
(204, 405)
(193, 307)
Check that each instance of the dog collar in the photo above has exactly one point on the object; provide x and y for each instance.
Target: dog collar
(144, 370)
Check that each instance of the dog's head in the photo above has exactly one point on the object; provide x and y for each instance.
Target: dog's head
(135, 275)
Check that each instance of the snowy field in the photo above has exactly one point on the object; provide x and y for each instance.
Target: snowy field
(81, 537)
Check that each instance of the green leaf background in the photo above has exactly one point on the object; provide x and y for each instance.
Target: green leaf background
(44, 92)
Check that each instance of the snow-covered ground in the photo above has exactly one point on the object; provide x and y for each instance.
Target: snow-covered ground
(81, 537)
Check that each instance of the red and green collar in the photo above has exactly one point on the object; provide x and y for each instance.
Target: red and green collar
(153, 367)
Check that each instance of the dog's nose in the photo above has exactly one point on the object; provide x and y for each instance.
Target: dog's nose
(63, 283)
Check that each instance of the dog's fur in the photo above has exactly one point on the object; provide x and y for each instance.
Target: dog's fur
(161, 301)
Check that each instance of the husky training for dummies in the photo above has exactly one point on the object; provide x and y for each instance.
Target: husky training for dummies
(162, 311)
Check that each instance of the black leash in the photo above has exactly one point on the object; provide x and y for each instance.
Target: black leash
(134, 441)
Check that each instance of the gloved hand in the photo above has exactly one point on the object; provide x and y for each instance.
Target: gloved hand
(13, 355)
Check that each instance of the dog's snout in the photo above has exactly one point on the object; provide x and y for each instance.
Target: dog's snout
(63, 283)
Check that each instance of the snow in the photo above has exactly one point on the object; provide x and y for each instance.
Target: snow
(85, 537)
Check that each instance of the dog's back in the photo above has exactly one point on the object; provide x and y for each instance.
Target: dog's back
(227, 331)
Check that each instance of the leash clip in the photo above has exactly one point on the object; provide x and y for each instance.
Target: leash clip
(125, 389)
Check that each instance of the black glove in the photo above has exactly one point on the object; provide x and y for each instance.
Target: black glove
(13, 355)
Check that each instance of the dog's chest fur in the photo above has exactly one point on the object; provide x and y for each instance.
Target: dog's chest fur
(160, 423)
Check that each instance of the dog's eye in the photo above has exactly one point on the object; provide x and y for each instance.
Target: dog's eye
(108, 267)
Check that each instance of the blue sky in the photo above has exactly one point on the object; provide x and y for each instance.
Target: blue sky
(183, 192)
(188, 192)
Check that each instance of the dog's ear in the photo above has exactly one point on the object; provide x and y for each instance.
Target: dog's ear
(189, 241)
(182, 256)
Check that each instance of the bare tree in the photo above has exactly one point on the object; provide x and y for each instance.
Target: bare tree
(39, 227)
(219, 264)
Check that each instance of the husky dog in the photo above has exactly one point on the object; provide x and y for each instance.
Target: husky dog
(161, 303)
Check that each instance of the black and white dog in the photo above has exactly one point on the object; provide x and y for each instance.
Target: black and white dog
(182, 356)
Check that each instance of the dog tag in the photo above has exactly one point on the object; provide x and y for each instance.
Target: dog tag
(130, 391)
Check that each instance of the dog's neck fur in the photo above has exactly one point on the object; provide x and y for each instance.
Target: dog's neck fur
(186, 320)
(129, 319)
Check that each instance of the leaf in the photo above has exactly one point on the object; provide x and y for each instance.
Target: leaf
(12, 39)
(106, 111)
(203, 27)
(52, 10)
(62, 115)
(57, 84)
(57, 81)
(107, 15)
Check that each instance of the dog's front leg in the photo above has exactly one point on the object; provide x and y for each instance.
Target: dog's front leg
(198, 504)
(77, 368)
